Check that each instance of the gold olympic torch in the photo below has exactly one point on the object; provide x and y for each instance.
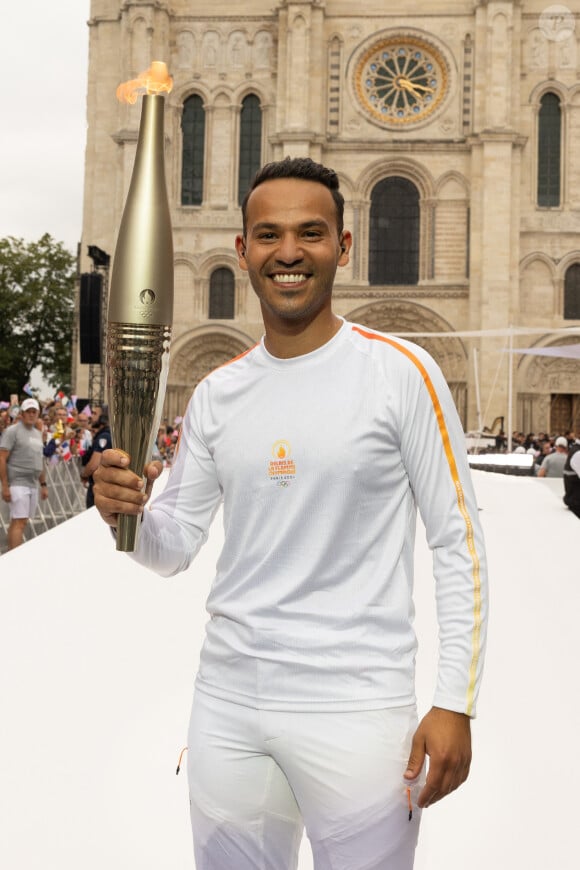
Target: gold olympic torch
(140, 309)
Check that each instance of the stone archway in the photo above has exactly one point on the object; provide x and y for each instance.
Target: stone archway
(194, 360)
(398, 315)
(549, 390)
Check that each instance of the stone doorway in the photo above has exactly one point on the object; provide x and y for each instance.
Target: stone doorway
(564, 413)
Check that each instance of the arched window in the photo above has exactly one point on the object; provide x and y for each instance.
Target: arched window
(193, 129)
(394, 232)
(221, 294)
(549, 153)
(250, 143)
(572, 293)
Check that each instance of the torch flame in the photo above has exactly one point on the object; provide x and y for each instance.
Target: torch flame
(155, 80)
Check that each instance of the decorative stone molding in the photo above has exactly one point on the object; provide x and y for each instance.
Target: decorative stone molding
(411, 292)
(548, 374)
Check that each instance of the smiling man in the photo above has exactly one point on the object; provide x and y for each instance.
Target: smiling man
(314, 441)
(292, 244)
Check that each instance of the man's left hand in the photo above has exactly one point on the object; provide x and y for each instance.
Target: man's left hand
(445, 737)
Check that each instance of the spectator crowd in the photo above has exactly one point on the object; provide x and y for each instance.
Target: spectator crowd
(549, 452)
(37, 435)
(68, 430)
(72, 429)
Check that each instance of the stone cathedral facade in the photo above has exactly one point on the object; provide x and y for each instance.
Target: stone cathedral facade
(453, 126)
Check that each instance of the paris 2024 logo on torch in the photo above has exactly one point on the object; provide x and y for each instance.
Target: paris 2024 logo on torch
(147, 300)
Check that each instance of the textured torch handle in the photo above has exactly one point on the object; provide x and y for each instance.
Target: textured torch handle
(137, 368)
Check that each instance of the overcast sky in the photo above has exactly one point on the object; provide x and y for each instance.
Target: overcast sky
(44, 48)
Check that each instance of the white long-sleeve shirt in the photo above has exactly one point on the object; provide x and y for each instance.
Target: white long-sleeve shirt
(320, 461)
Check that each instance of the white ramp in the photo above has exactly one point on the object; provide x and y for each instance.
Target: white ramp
(98, 660)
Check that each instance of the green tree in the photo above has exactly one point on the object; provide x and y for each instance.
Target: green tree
(37, 287)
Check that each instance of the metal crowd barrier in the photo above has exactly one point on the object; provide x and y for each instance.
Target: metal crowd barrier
(66, 499)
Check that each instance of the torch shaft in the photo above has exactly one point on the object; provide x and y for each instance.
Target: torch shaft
(140, 307)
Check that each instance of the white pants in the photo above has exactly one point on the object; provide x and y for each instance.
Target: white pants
(23, 502)
(256, 778)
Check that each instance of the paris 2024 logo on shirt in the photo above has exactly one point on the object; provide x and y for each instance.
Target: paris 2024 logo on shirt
(282, 469)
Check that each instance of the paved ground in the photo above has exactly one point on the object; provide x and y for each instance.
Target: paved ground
(99, 657)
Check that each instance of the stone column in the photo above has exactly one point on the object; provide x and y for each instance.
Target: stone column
(219, 155)
(494, 237)
(301, 92)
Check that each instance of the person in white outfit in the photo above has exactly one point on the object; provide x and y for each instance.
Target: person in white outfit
(320, 442)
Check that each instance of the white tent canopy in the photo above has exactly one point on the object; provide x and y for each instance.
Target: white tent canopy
(569, 351)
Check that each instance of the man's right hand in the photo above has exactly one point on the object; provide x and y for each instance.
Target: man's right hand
(118, 490)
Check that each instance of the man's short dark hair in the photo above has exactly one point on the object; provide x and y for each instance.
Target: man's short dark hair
(307, 170)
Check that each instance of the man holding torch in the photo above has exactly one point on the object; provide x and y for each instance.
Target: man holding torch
(304, 712)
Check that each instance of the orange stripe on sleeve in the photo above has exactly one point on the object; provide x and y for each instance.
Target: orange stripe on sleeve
(475, 639)
(239, 356)
(230, 361)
